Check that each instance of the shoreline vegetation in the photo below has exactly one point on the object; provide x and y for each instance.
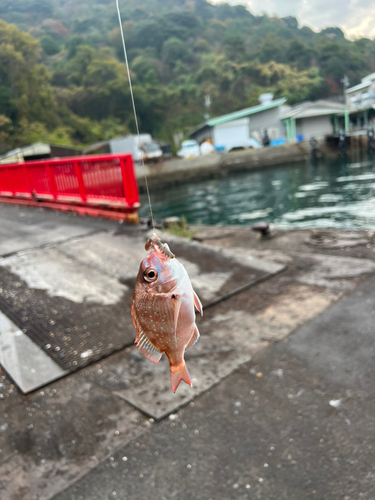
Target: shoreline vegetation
(63, 78)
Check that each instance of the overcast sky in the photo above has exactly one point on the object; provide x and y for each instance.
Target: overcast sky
(355, 17)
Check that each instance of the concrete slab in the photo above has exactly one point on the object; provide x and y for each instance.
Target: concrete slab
(118, 256)
(24, 361)
(53, 436)
(275, 322)
(216, 272)
(296, 423)
(25, 228)
(340, 342)
(229, 338)
(73, 299)
(61, 276)
(335, 272)
(149, 388)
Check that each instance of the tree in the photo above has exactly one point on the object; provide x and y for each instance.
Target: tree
(7, 106)
(5, 131)
(178, 50)
(204, 10)
(50, 46)
(80, 63)
(175, 50)
(296, 86)
(73, 43)
(234, 47)
(300, 55)
(20, 73)
(143, 64)
(148, 34)
(333, 33)
(273, 48)
(225, 11)
(290, 22)
(184, 19)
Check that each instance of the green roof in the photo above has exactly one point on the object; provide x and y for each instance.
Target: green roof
(245, 112)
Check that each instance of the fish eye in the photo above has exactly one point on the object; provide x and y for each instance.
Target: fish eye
(150, 274)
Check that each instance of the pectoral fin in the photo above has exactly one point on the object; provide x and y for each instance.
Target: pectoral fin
(177, 307)
(143, 343)
(198, 303)
(194, 338)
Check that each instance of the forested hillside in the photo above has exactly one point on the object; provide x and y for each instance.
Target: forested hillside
(63, 79)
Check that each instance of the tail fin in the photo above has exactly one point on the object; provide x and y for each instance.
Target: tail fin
(179, 372)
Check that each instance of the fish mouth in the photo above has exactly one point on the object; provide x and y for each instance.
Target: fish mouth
(156, 241)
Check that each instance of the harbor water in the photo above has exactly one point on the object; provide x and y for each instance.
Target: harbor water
(339, 194)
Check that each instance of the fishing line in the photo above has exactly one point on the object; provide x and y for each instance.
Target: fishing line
(133, 103)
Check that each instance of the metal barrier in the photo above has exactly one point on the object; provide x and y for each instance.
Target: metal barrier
(93, 185)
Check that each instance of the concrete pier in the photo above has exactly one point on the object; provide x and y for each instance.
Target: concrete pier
(283, 372)
(215, 165)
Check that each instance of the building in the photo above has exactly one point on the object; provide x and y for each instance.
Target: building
(38, 151)
(244, 128)
(119, 145)
(360, 101)
(140, 147)
(314, 119)
(363, 94)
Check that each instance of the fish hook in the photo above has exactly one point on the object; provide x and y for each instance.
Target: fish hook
(155, 240)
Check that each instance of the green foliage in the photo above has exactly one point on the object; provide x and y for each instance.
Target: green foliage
(149, 33)
(5, 131)
(24, 83)
(290, 22)
(72, 45)
(299, 55)
(333, 33)
(29, 132)
(175, 50)
(179, 51)
(234, 47)
(50, 46)
(181, 229)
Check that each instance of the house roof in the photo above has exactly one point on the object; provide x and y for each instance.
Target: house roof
(239, 114)
(366, 82)
(369, 77)
(360, 86)
(245, 112)
(95, 146)
(35, 149)
(311, 109)
(38, 148)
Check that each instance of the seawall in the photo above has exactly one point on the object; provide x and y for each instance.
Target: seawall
(213, 165)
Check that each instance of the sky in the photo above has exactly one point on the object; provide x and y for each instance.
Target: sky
(354, 17)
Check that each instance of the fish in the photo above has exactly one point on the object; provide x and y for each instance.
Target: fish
(163, 310)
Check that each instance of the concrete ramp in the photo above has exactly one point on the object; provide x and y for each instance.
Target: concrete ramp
(73, 299)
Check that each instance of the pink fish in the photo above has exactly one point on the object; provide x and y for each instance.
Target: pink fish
(163, 310)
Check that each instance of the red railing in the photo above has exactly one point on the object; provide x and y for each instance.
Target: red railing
(86, 184)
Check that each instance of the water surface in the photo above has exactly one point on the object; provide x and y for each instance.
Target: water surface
(336, 194)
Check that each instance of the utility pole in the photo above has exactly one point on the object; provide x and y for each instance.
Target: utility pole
(346, 83)
(207, 103)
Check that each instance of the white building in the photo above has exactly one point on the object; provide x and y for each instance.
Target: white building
(363, 94)
(360, 101)
(244, 128)
(314, 119)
